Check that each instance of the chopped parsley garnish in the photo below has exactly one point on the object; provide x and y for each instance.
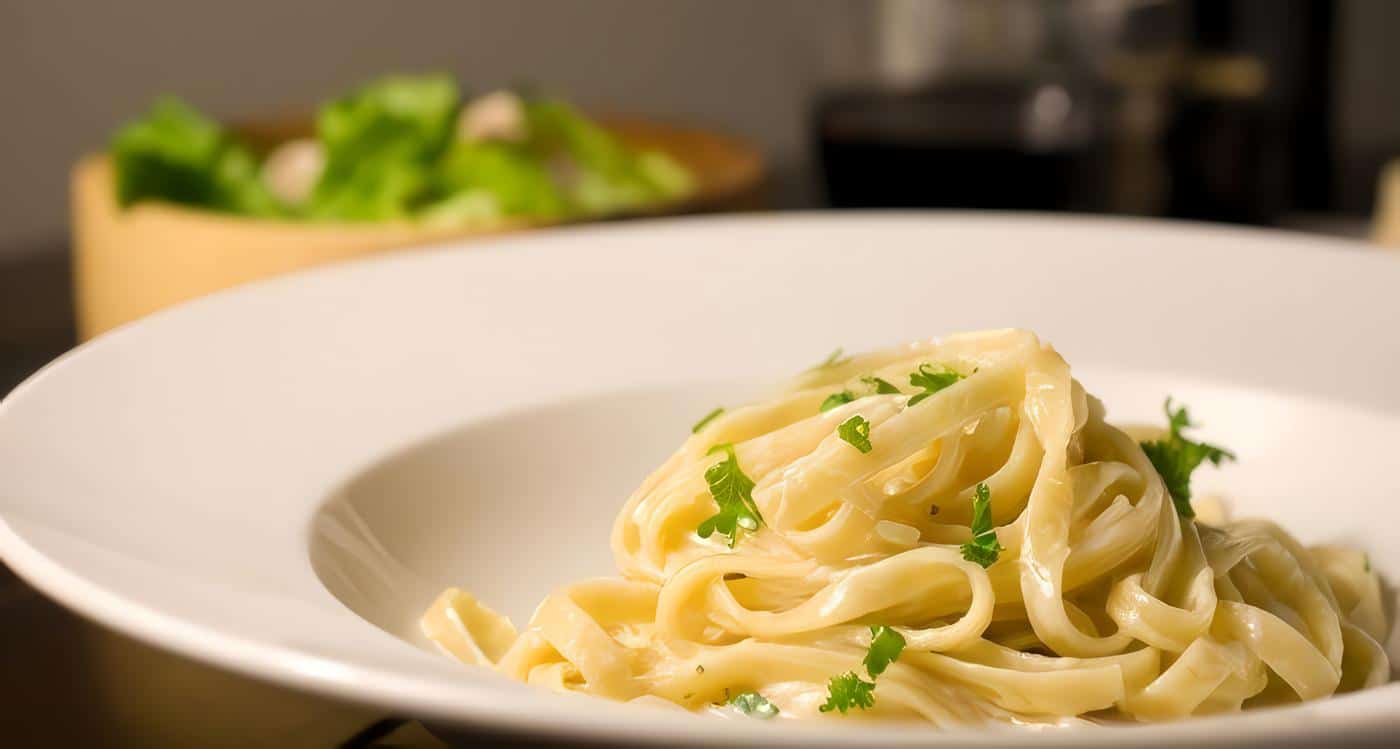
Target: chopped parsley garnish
(984, 547)
(882, 387)
(931, 380)
(856, 431)
(1176, 457)
(709, 417)
(848, 691)
(885, 646)
(877, 387)
(754, 704)
(836, 400)
(733, 492)
(832, 360)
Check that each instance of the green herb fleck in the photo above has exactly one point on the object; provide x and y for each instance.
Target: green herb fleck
(733, 492)
(885, 646)
(856, 431)
(836, 400)
(699, 669)
(848, 691)
(1176, 457)
(882, 387)
(984, 547)
(931, 380)
(709, 417)
(833, 359)
(754, 704)
(877, 387)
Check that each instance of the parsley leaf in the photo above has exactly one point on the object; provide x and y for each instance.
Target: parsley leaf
(984, 547)
(931, 380)
(754, 704)
(882, 387)
(848, 691)
(877, 387)
(1176, 457)
(834, 359)
(733, 492)
(856, 431)
(709, 417)
(885, 646)
(836, 400)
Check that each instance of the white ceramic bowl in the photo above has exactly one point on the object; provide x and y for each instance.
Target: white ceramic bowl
(277, 479)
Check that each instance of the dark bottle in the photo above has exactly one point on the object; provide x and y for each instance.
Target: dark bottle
(1250, 139)
(1003, 104)
(1003, 143)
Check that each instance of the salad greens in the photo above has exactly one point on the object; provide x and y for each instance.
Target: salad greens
(520, 184)
(382, 146)
(397, 148)
(176, 154)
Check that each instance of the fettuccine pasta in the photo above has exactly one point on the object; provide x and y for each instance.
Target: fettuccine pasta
(962, 506)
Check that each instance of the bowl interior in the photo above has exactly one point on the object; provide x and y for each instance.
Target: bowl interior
(508, 507)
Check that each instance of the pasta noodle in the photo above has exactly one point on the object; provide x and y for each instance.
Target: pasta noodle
(1104, 602)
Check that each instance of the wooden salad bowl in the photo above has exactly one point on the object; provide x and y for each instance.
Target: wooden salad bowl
(130, 263)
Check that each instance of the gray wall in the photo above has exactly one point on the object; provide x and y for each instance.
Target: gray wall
(70, 71)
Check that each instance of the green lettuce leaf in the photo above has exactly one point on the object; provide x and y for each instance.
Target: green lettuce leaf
(598, 172)
(175, 154)
(519, 182)
(382, 142)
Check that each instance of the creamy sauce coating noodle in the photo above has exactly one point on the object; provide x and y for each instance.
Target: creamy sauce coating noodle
(1103, 602)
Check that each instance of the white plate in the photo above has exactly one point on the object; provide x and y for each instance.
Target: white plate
(277, 479)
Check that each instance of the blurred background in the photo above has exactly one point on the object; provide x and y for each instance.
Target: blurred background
(1266, 112)
(1254, 111)
(1262, 112)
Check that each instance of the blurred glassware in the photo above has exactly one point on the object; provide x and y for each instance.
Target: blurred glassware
(1386, 228)
(1002, 104)
(1250, 139)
